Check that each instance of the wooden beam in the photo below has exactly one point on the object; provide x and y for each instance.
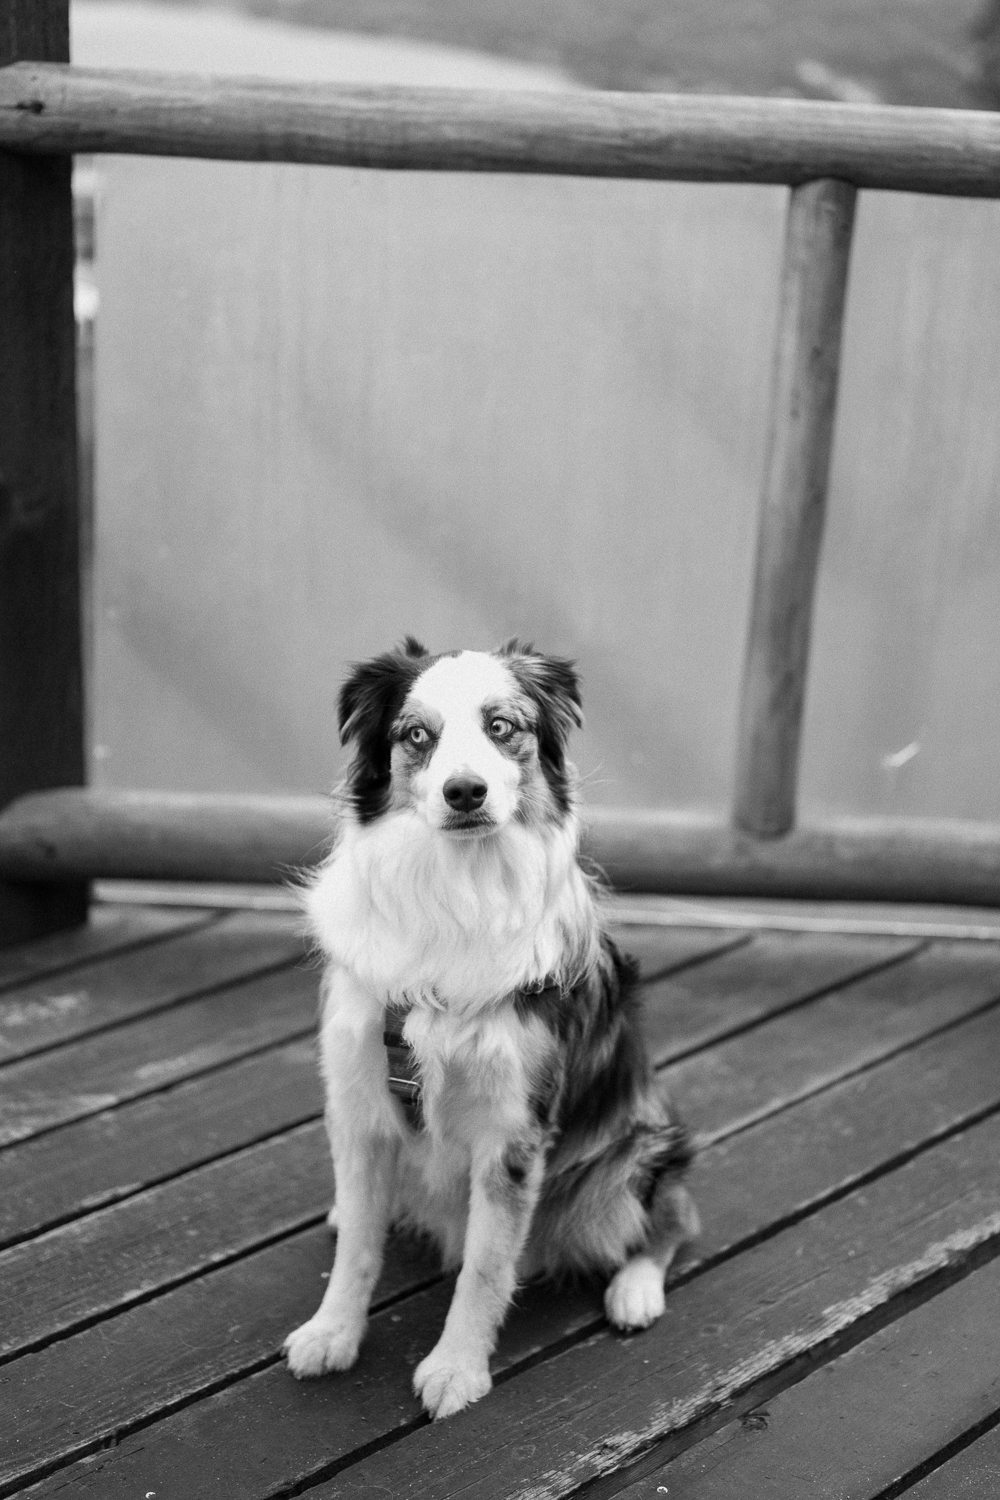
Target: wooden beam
(163, 835)
(41, 690)
(64, 835)
(793, 504)
(582, 133)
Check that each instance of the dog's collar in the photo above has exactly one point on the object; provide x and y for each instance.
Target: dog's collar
(404, 1076)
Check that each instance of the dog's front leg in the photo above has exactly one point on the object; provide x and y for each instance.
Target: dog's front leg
(364, 1136)
(504, 1189)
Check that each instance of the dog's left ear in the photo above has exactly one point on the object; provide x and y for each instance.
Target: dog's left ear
(552, 683)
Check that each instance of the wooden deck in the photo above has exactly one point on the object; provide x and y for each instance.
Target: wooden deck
(164, 1177)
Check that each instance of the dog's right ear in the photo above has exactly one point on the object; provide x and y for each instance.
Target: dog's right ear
(372, 695)
(369, 702)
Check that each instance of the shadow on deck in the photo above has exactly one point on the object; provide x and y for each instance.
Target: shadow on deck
(164, 1176)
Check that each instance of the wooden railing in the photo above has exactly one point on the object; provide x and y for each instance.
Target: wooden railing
(54, 835)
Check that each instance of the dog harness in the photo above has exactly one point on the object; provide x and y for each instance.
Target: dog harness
(404, 1080)
(404, 1075)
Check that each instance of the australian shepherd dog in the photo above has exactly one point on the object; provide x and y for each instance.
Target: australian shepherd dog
(454, 907)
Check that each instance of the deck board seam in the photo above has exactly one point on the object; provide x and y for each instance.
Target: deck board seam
(302, 1034)
(741, 1028)
(170, 1408)
(599, 1486)
(157, 1010)
(834, 1194)
(91, 1320)
(714, 1138)
(797, 1215)
(784, 1375)
(938, 1460)
(154, 1182)
(798, 1366)
(307, 1032)
(206, 920)
(742, 940)
(944, 1276)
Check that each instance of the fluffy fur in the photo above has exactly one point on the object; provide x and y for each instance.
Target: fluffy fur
(454, 898)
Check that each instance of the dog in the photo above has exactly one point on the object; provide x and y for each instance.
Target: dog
(454, 903)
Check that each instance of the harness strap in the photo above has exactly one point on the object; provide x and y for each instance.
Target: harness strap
(404, 1076)
(404, 1081)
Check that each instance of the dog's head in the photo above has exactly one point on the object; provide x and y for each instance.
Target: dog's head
(469, 740)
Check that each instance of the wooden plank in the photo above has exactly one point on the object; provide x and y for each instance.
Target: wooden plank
(861, 1423)
(581, 133)
(743, 1187)
(128, 1062)
(223, 837)
(852, 918)
(749, 983)
(973, 1474)
(114, 1154)
(793, 504)
(68, 1397)
(105, 1225)
(591, 1407)
(41, 665)
(108, 929)
(110, 1156)
(586, 1412)
(120, 1254)
(108, 992)
(753, 1074)
(785, 1165)
(44, 1092)
(222, 896)
(661, 951)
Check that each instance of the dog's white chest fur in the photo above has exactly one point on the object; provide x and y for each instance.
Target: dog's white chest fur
(474, 1070)
(412, 913)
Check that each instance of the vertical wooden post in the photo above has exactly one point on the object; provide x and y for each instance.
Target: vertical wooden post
(41, 687)
(793, 504)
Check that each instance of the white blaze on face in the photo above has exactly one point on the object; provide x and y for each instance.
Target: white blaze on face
(458, 696)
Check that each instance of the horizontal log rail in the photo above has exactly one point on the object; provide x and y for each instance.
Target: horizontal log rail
(56, 108)
(72, 833)
(824, 152)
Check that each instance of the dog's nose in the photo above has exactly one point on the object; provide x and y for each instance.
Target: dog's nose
(464, 793)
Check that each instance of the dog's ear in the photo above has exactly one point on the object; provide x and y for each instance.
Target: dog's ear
(369, 701)
(375, 689)
(516, 647)
(553, 685)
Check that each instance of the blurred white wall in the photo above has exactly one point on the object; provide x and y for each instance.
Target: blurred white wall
(336, 406)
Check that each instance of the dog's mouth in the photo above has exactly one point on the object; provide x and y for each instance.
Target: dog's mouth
(468, 824)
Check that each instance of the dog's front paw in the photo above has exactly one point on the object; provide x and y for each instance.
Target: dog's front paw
(446, 1384)
(322, 1345)
(634, 1297)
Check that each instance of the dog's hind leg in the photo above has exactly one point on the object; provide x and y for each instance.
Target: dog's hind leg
(364, 1133)
(634, 1297)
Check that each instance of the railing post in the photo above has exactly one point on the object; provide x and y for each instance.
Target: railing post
(41, 687)
(793, 504)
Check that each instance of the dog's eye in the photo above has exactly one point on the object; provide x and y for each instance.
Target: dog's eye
(501, 729)
(416, 735)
